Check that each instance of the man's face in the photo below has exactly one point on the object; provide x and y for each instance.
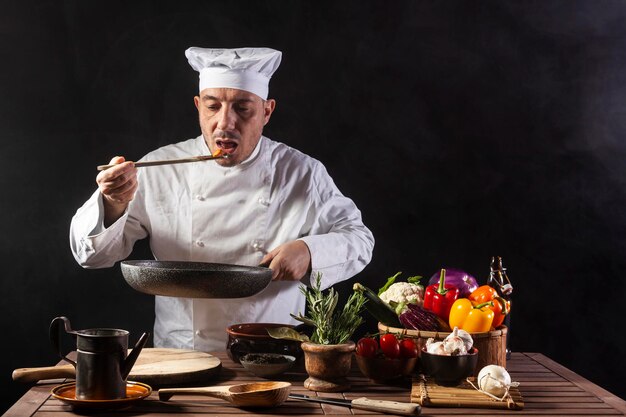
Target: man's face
(232, 120)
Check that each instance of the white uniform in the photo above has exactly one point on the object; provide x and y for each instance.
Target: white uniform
(204, 212)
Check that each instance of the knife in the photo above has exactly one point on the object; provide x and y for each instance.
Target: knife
(388, 407)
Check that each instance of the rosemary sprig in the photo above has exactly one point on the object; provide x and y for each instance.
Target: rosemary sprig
(331, 327)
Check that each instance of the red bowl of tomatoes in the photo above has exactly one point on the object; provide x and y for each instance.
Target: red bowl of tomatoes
(386, 357)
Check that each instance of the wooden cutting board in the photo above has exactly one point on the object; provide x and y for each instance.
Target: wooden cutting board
(155, 367)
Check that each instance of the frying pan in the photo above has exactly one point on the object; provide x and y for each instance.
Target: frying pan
(195, 279)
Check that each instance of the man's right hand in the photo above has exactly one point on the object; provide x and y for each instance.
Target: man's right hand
(117, 186)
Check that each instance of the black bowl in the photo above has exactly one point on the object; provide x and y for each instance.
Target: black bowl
(195, 279)
(449, 370)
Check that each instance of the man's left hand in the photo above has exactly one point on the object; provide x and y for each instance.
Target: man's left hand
(290, 261)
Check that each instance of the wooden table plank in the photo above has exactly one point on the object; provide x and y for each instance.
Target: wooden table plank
(583, 383)
(30, 401)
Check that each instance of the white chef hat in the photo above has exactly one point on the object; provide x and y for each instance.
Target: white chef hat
(248, 69)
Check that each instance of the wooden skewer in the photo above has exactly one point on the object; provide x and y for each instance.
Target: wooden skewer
(169, 161)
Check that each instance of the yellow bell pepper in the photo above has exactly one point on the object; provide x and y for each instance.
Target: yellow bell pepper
(471, 316)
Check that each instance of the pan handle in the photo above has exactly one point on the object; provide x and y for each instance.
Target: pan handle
(54, 336)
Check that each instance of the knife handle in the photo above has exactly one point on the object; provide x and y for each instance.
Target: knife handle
(46, 372)
(389, 407)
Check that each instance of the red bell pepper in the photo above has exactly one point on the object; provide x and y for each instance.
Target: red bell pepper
(500, 306)
(439, 298)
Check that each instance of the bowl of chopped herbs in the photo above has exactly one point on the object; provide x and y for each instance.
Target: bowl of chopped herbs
(267, 364)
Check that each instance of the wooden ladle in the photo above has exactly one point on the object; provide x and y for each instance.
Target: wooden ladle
(256, 394)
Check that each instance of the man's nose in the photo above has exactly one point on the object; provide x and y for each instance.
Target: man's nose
(226, 119)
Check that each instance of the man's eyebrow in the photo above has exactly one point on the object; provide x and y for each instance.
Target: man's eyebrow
(207, 97)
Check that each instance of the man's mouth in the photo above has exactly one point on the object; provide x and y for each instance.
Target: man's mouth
(227, 146)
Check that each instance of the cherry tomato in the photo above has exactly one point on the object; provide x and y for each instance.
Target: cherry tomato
(408, 349)
(367, 347)
(390, 345)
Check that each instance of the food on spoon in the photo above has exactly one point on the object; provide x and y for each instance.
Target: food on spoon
(217, 152)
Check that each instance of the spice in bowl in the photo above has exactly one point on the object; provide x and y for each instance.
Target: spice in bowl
(267, 364)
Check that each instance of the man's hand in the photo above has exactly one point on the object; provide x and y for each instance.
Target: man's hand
(117, 186)
(290, 261)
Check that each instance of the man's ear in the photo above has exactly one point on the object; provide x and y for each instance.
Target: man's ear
(196, 101)
(268, 108)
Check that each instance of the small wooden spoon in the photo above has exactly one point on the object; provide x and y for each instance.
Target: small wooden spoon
(256, 394)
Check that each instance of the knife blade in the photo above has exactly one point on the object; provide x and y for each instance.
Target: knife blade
(363, 403)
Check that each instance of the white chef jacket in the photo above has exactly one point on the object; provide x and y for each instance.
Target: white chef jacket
(208, 213)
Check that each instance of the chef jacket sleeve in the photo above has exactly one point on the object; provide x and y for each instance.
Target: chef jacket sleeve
(95, 246)
(340, 244)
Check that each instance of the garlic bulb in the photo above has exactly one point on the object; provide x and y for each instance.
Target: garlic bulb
(495, 380)
(467, 338)
(456, 343)
(435, 348)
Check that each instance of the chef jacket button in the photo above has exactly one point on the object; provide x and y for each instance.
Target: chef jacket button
(256, 245)
(264, 201)
(199, 197)
(200, 243)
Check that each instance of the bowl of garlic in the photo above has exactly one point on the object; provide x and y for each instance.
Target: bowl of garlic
(449, 361)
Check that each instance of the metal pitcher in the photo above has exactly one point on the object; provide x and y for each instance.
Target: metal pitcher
(102, 363)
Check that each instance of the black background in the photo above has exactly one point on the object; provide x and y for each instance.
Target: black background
(462, 130)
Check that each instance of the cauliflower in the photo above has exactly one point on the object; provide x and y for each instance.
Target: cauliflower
(399, 294)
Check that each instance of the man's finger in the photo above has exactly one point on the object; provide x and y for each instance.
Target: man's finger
(276, 269)
(267, 259)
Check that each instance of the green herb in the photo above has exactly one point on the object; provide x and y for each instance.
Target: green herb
(415, 279)
(388, 284)
(332, 327)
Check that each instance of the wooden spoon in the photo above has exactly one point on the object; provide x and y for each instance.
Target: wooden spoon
(256, 394)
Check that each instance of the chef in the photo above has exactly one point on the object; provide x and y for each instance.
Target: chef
(266, 204)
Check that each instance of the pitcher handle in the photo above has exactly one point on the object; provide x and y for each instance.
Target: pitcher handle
(54, 336)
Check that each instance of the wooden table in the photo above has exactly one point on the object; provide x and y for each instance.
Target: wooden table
(549, 389)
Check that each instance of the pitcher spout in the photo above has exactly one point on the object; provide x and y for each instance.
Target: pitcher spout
(132, 358)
